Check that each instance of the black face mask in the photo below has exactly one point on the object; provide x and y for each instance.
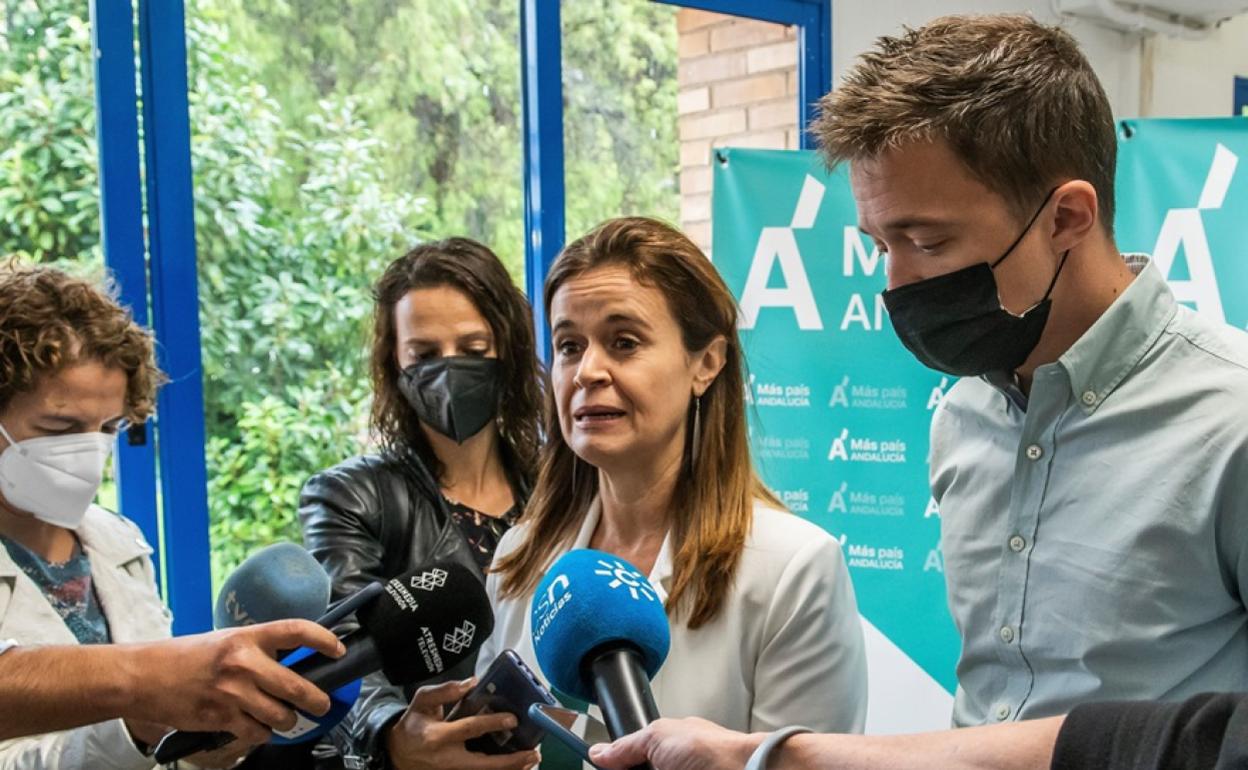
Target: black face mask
(954, 323)
(457, 396)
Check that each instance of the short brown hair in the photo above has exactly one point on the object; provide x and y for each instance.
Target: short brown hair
(50, 320)
(1015, 99)
(716, 503)
(472, 268)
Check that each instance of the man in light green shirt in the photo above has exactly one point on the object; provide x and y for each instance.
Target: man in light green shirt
(1091, 466)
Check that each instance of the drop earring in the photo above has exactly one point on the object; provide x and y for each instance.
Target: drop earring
(697, 433)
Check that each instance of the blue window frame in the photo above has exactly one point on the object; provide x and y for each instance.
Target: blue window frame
(540, 43)
(161, 274)
(157, 273)
(1241, 96)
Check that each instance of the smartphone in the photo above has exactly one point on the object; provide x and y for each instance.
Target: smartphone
(507, 686)
(557, 723)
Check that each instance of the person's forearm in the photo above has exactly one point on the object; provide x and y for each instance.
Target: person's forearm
(45, 689)
(1017, 746)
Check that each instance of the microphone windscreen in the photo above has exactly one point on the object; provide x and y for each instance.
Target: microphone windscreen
(427, 621)
(309, 727)
(280, 582)
(589, 601)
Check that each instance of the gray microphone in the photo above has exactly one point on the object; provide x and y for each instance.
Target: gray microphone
(279, 582)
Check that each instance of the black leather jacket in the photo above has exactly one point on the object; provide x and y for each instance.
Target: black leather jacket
(371, 518)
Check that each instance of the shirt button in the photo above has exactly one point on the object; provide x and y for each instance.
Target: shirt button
(1003, 712)
(1017, 543)
(1007, 634)
(1034, 452)
(1089, 397)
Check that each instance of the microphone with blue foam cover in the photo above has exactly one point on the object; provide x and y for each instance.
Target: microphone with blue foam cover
(279, 582)
(421, 625)
(600, 633)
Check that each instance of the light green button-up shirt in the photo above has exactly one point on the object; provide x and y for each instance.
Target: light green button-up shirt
(1095, 534)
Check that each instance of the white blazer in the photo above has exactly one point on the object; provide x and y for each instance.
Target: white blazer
(125, 582)
(786, 648)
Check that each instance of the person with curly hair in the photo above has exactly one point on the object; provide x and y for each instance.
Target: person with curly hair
(456, 407)
(74, 370)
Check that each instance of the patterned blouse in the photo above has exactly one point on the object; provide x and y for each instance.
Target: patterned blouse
(481, 530)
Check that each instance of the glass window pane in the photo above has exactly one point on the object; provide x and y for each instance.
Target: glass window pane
(328, 139)
(49, 173)
(620, 133)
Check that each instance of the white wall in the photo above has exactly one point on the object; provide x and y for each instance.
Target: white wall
(1194, 78)
(1154, 77)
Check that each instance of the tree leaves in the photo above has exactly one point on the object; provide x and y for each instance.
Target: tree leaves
(327, 139)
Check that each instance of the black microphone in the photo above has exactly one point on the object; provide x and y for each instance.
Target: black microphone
(600, 634)
(349, 605)
(623, 689)
(421, 624)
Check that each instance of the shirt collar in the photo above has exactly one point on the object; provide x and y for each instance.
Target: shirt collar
(1102, 358)
(105, 538)
(108, 539)
(660, 575)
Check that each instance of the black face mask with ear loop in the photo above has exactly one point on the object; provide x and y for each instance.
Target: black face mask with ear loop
(955, 323)
(455, 395)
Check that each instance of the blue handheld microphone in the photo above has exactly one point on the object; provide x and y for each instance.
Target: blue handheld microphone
(601, 633)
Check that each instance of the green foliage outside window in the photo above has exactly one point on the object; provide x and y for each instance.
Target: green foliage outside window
(327, 139)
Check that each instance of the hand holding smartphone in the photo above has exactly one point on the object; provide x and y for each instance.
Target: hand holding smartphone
(507, 686)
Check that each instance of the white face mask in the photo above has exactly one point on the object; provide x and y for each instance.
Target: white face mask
(54, 478)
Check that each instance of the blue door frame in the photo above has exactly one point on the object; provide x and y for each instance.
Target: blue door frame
(160, 273)
(542, 95)
(157, 274)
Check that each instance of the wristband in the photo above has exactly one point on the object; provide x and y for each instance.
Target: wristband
(758, 760)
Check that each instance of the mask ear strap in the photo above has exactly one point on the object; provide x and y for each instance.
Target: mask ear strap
(1026, 230)
(1056, 275)
(9, 438)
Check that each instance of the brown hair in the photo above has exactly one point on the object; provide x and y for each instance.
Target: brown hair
(1015, 99)
(473, 269)
(719, 498)
(50, 321)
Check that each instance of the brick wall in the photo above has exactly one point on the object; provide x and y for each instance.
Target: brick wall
(738, 88)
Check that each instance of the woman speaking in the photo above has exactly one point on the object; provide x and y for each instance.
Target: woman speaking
(647, 458)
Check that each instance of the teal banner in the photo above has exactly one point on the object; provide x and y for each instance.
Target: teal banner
(1183, 198)
(840, 411)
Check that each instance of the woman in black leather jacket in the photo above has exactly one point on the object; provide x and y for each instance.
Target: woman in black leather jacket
(456, 401)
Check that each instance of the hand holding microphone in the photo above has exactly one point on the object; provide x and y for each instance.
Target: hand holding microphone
(280, 582)
(424, 623)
